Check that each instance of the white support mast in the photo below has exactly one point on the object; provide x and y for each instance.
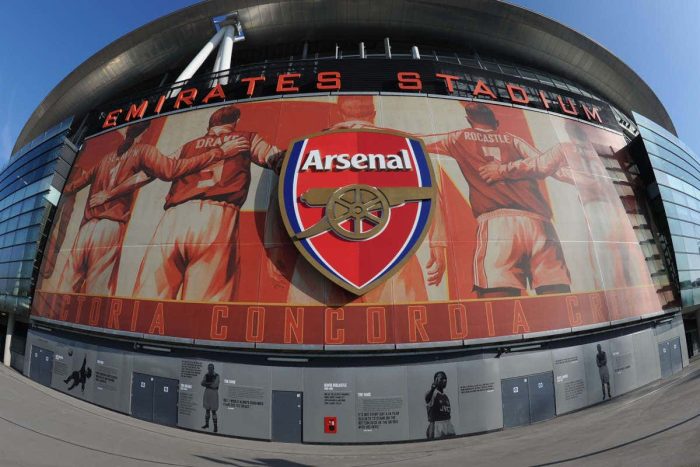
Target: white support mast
(231, 32)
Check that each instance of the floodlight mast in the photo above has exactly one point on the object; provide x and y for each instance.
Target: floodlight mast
(230, 31)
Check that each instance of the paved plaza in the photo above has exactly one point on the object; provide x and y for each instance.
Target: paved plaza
(656, 425)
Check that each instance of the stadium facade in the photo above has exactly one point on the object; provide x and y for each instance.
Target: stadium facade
(350, 222)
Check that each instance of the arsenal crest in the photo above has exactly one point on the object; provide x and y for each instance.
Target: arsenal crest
(357, 203)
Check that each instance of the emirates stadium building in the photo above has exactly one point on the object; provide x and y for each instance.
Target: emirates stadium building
(185, 238)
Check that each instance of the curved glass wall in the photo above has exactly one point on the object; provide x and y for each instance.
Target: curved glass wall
(30, 185)
(677, 171)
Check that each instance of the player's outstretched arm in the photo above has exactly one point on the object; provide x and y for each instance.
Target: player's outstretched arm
(156, 165)
(533, 165)
(84, 178)
(132, 183)
(441, 144)
(430, 394)
(265, 154)
(437, 264)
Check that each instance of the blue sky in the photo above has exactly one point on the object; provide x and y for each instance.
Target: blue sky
(41, 41)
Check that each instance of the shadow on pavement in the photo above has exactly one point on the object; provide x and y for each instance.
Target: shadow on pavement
(253, 462)
(617, 446)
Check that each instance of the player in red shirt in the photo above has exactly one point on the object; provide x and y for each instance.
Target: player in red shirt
(93, 265)
(517, 245)
(193, 254)
(579, 163)
(438, 406)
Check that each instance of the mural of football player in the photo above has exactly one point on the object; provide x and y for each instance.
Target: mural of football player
(601, 360)
(517, 246)
(579, 163)
(79, 377)
(438, 406)
(93, 264)
(359, 112)
(193, 254)
(210, 400)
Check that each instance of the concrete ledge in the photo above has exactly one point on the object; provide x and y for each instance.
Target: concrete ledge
(587, 327)
(651, 315)
(213, 343)
(343, 348)
(177, 340)
(626, 320)
(428, 345)
(308, 94)
(493, 340)
(454, 98)
(553, 332)
(357, 93)
(83, 327)
(289, 346)
(403, 94)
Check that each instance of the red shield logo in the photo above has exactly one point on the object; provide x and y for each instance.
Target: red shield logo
(357, 203)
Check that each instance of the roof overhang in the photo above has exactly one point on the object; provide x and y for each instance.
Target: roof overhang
(487, 25)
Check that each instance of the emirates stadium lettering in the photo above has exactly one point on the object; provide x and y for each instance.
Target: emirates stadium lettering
(522, 94)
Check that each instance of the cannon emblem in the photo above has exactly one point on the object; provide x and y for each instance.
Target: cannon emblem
(357, 203)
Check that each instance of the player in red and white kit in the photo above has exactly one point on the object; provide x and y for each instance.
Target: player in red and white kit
(194, 251)
(579, 163)
(93, 264)
(438, 406)
(517, 245)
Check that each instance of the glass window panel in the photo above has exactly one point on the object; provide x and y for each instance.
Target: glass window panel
(21, 236)
(526, 74)
(24, 287)
(13, 268)
(509, 70)
(29, 250)
(27, 269)
(687, 229)
(34, 233)
(12, 224)
(15, 209)
(674, 225)
(17, 251)
(694, 261)
(37, 216)
(25, 219)
(676, 184)
(661, 178)
(27, 204)
(671, 209)
(39, 201)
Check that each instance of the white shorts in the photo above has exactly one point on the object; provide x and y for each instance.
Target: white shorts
(515, 248)
(93, 264)
(440, 429)
(193, 254)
